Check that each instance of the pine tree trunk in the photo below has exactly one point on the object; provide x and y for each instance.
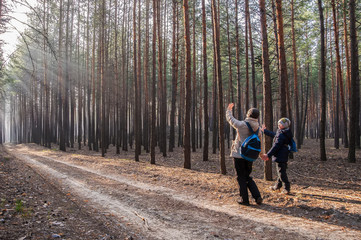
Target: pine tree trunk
(60, 82)
(146, 84)
(80, 91)
(322, 86)
(153, 130)
(282, 60)
(165, 57)
(125, 53)
(267, 88)
(205, 84)
(253, 67)
(220, 91)
(194, 98)
(102, 80)
(93, 127)
(307, 99)
(214, 109)
(135, 81)
(162, 87)
(71, 89)
(188, 93)
(274, 18)
(174, 75)
(355, 85)
(339, 74)
(136, 66)
(239, 96)
(139, 84)
(117, 83)
(88, 80)
(335, 114)
(47, 139)
(181, 98)
(230, 87)
(214, 97)
(295, 77)
(67, 95)
(347, 53)
(246, 9)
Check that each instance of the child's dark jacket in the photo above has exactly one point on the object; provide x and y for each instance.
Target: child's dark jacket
(279, 151)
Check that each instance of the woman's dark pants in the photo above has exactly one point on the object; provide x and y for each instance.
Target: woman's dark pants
(244, 169)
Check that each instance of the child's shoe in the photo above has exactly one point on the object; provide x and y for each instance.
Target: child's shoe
(286, 191)
(274, 188)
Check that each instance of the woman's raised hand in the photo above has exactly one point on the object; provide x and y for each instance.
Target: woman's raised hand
(230, 106)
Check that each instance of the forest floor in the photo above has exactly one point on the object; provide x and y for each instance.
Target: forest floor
(49, 194)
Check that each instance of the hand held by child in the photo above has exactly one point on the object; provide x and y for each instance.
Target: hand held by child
(263, 127)
(264, 157)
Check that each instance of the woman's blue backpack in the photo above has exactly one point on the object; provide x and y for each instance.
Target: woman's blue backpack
(251, 147)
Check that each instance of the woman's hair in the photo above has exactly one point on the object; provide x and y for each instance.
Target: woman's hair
(253, 113)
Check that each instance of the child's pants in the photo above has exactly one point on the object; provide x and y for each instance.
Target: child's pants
(282, 176)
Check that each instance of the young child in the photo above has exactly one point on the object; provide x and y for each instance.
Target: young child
(279, 152)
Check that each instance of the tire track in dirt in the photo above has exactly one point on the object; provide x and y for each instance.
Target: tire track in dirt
(164, 213)
(105, 202)
(159, 221)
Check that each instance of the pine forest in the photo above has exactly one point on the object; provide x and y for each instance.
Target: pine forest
(151, 80)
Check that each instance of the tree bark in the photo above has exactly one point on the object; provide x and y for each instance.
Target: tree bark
(136, 82)
(219, 83)
(282, 60)
(174, 75)
(93, 126)
(188, 93)
(162, 89)
(205, 83)
(138, 112)
(102, 80)
(267, 88)
(125, 53)
(295, 77)
(80, 91)
(60, 82)
(339, 73)
(194, 97)
(253, 67)
(239, 95)
(322, 87)
(355, 85)
(153, 130)
(230, 82)
(146, 83)
(47, 139)
(347, 53)
(246, 9)
(116, 80)
(67, 93)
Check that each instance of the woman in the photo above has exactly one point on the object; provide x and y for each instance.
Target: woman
(243, 166)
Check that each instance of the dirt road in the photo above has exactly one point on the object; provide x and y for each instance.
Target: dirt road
(160, 211)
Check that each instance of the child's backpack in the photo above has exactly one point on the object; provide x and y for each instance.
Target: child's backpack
(292, 147)
(251, 147)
